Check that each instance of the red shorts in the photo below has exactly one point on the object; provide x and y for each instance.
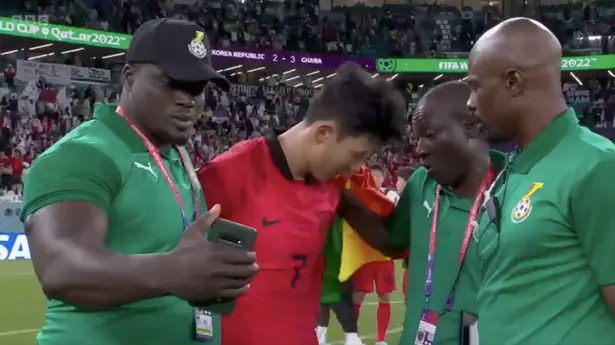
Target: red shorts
(381, 273)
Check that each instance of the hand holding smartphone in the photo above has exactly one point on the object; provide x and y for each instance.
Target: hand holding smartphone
(233, 234)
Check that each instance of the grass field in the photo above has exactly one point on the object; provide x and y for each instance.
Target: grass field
(22, 307)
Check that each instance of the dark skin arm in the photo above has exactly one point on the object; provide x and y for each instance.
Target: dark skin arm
(371, 228)
(67, 242)
(72, 264)
(609, 296)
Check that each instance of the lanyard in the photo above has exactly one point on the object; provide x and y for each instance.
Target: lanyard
(153, 152)
(464, 243)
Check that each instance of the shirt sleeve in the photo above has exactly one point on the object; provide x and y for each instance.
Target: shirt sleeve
(592, 203)
(71, 172)
(398, 223)
(221, 184)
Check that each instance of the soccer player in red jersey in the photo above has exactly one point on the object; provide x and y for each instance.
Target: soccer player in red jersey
(282, 186)
(380, 273)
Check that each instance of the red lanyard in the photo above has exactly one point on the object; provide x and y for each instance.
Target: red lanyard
(466, 236)
(153, 152)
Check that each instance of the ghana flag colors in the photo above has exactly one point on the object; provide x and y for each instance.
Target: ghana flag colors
(345, 252)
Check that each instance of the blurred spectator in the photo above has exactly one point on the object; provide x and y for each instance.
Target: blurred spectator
(30, 125)
(35, 115)
(388, 30)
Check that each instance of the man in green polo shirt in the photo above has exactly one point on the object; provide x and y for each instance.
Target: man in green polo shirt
(546, 239)
(439, 203)
(115, 217)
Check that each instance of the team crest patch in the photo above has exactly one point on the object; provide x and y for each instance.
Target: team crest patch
(524, 207)
(197, 47)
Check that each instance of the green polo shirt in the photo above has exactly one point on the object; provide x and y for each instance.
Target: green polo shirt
(103, 162)
(409, 228)
(541, 276)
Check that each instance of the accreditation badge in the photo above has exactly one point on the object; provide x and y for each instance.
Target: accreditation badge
(426, 333)
(203, 325)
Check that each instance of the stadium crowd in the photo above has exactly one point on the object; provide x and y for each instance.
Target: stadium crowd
(389, 30)
(30, 124)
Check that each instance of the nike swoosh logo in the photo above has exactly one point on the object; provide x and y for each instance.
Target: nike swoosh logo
(267, 222)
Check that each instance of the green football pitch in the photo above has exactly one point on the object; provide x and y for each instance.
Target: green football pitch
(22, 307)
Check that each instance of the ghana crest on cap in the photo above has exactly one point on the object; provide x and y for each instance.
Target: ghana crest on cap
(196, 46)
(524, 207)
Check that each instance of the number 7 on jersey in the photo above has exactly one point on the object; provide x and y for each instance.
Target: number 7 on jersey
(302, 262)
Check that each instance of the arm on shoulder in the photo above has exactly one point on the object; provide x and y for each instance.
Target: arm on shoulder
(66, 200)
(591, 203)
(370, 227)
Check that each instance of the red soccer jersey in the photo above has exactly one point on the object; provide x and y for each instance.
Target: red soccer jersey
(253, 184)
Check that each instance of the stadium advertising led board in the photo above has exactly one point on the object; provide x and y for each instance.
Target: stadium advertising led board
(104, 39)
(14, 246)
(61, 33)
(435, 65)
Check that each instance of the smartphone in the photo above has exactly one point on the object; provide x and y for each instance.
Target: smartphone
(234, 234)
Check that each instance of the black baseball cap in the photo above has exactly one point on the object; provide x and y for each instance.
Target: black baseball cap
(179, 48)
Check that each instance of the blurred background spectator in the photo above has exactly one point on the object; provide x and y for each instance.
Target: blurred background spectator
(36, 111)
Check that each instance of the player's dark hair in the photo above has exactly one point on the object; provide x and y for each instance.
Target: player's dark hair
(360, 105)
(404, 172)
(376, 166)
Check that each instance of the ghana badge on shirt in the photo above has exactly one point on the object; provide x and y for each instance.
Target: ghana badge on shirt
(523, 208)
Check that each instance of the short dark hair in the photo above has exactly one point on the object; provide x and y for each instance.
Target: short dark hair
(376, 166)
(452, 97)
(455, 93)
(360, 105)
(404, 172)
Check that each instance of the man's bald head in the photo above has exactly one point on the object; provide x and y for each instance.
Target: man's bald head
(514, 73)
(522, 44)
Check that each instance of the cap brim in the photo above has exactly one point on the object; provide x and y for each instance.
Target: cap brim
(195, 73)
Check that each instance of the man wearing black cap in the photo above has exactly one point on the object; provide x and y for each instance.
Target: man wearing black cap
(115, 216)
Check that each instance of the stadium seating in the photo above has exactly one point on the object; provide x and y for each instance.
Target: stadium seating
(35, 113)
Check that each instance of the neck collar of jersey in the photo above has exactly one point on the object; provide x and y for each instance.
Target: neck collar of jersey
(279, 158)
(545, 141)
(106, 113)
(497, 160)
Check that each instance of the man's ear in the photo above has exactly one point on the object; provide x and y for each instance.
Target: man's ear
(128, 76)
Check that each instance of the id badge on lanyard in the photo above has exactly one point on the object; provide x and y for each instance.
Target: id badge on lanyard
(426, 332)
(203, 322)
(203, 325)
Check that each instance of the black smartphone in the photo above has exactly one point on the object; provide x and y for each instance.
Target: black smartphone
(234, 234)
(468, 329)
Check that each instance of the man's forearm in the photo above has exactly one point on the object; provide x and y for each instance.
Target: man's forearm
(372, 231)
(104, 280)
(368, 226)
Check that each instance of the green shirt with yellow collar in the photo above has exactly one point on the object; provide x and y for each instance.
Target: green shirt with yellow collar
(547, 246)
(409, 227)
(103, 162)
